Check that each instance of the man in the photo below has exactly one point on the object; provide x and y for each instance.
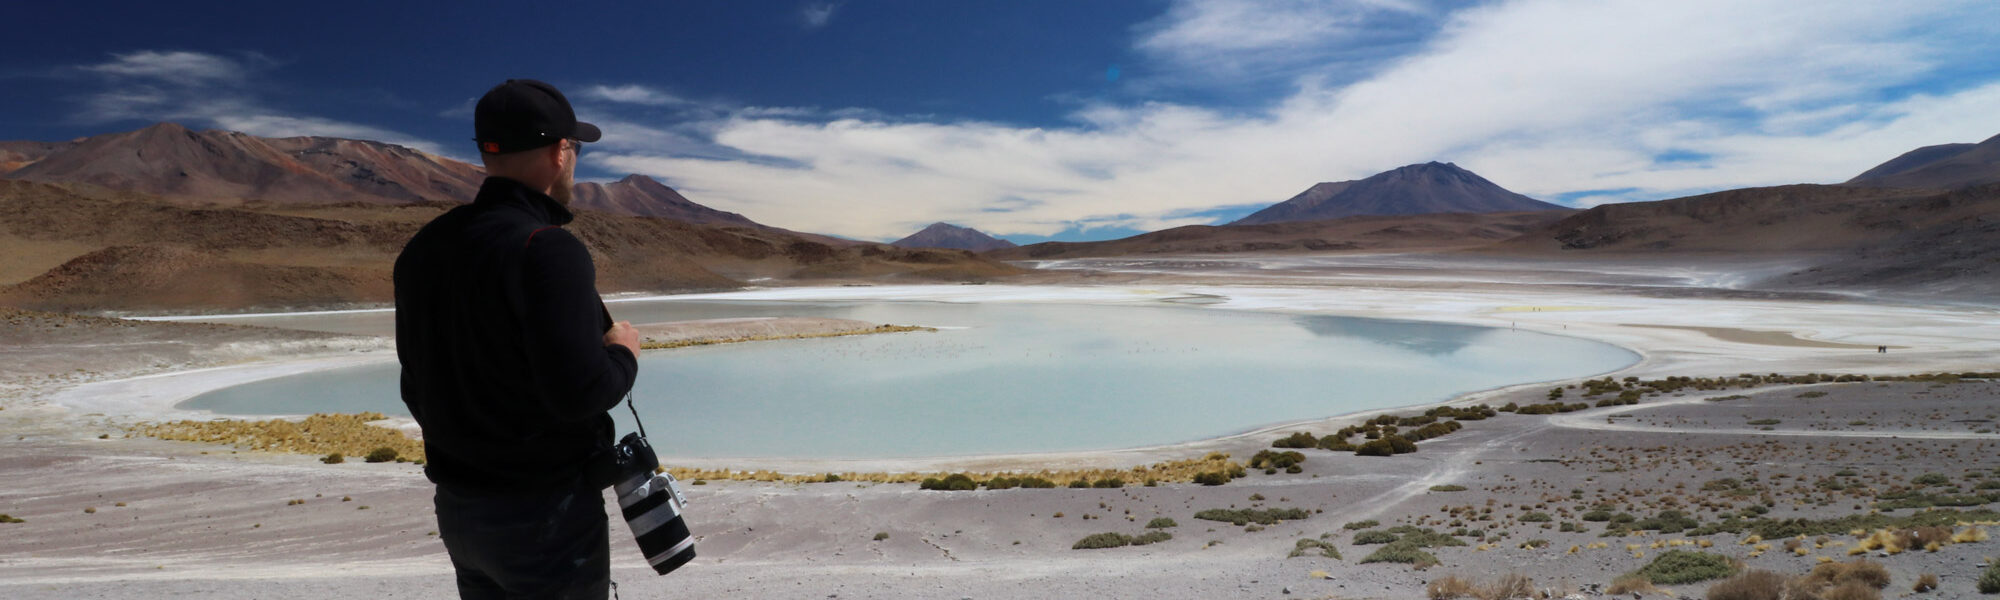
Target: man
(511, 362)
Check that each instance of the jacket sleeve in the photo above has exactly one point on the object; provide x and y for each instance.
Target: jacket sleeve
(574, 373)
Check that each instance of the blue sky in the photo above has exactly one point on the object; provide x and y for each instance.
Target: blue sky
(1058, 120)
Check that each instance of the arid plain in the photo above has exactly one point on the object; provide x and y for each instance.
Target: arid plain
(1771, 473)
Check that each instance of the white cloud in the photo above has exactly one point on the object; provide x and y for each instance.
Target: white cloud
(1545, 97)
(816, 15)
(174, 66)
(632, 94)
(210, 90)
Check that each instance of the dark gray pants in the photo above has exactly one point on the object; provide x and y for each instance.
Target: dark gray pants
(552, 544)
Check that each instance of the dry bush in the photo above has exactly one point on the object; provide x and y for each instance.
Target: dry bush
(1852, 590)
(1925, 582)
(1753, 585)
(1447, 588)
(1630, 584)
(1925, 536)
(1830, 581)
(1509, 587)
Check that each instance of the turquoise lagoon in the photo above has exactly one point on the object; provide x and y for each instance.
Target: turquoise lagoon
(1010, 378)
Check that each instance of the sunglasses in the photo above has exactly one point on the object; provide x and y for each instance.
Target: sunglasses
(575, 146)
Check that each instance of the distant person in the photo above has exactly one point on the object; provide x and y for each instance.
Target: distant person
(511, 362)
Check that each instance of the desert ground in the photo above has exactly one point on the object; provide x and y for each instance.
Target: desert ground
(1779, 475)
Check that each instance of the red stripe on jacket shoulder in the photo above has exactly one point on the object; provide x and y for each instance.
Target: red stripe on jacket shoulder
(531, 235)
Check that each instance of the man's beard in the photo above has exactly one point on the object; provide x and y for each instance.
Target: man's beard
(562, 191)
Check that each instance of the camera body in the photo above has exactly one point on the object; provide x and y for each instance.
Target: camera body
(651, 503)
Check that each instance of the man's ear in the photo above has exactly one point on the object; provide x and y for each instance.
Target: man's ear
(557, 154)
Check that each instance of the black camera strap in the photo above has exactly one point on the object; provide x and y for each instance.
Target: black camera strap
(635, 414)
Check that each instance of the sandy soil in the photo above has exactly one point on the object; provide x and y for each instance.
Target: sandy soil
(209, 521)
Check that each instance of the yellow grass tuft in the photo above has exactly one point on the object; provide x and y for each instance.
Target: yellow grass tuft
(1574, 549)
(1705, 543)
(1823, 559)
(1169, 471)
(650, 345)
(1320, 575)
(1754, 538)
(1801, 551)
(348, 434)
(1970, 535)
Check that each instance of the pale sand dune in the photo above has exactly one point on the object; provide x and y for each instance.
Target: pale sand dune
(218, 524)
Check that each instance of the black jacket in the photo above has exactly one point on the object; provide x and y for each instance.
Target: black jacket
(501, 334)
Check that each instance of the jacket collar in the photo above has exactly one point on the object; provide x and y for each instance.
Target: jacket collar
(508, 192)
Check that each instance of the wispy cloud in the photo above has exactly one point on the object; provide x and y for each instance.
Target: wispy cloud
(1547, 97)
(816, 14)
(633, 94)
(209, 90)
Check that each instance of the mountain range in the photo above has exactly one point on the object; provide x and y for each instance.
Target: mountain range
(165, 218)
(946, 235)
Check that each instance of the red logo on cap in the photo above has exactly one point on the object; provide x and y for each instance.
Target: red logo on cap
(490, 147)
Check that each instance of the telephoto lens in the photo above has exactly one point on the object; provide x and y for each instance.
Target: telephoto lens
(652, 504)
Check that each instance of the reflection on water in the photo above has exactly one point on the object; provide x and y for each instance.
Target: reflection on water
(1427, 338)
(1012, 377)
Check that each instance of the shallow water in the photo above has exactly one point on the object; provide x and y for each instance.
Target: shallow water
(1005, 378)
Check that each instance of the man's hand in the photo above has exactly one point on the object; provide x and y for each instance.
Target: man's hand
(622, 334)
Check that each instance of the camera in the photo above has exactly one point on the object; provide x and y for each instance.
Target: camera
(651, 503)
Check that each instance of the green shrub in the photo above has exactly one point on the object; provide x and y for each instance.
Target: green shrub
(1211, 478)
(1719, 485)
(881, 535)
(1764, 422)
(1989, 582)
(1930, 479)
(333, 459)
(1402, 552)
(1161, 523)
(1308, 545)
(1266, 459)
(1449, 487)
(1151, 537)
(1375, 536)
(1676, 567)
(1261, 516)
(6, 518)
(1297, 440)
(1037, 482)
(382, 454)
(1537, 517)
(1361, 525)
(1336, 443)
(955, 482)
(831, 478)
(1079, 484)
(1597, 516)
(1003, 483)
(1111, 482)
(1102, 540)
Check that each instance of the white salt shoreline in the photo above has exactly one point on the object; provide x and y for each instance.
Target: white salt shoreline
(1939, 339)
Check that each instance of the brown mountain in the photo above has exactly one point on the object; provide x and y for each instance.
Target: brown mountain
(1945, 166)
(946, 235)
(641, 196)
(225, 166)
(1944, 242)
(1367, 232)
(1430, 188)
(80, 247)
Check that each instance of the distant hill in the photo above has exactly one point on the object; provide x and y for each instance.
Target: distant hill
(225, 166)
(1946, 166)
(1854, 237)
(1429, 188)
(77, 247)
(641, 196)
(228, 168)
(946, 235)
(1366, 232)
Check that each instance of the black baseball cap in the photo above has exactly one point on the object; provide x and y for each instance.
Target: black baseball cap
(524, 114)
